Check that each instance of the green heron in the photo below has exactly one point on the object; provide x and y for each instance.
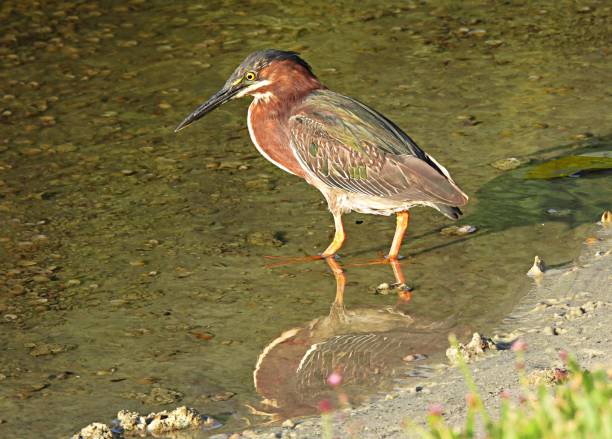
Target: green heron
(356, 157)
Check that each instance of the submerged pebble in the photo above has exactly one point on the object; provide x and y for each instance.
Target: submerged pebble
(48, 349)
(458, 230)
(506, 164)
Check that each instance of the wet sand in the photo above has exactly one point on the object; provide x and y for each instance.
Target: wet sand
(567, 309)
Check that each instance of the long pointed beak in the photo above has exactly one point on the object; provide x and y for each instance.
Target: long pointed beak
(216, 100)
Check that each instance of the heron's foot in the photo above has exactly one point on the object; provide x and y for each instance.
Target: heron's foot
(283, 261)
(404, 292)
(272, 417)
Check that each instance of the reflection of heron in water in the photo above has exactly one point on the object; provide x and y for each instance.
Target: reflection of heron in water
(369, 348)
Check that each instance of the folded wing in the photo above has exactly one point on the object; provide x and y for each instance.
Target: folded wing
(349, 146)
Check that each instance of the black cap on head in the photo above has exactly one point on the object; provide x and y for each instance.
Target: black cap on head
(237, 81)
(261, 58)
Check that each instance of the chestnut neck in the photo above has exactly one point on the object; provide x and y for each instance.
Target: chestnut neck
(289, 84)
(269, 113)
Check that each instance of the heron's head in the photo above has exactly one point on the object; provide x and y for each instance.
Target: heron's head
(263, 74)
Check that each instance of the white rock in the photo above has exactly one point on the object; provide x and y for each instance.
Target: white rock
(96, 430)
(538, 268)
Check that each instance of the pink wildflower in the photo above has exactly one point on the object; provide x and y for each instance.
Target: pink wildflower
(519, 346)
(325, 406)
(334, 379)
(435, 410)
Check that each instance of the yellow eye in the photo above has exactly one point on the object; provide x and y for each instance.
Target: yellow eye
(250, 76)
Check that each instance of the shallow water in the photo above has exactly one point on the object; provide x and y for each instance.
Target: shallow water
(137, 254)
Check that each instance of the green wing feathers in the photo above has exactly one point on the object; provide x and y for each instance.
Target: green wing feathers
(349, 146)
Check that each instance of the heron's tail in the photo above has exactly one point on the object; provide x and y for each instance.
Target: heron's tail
(451, 212)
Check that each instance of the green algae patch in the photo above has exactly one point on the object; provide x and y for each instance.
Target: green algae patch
(568, 166)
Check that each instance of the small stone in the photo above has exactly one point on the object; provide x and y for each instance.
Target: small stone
(477, 346)
(129, 43)
(48, 349)
(221, 396)
(478, 33)
(161, 396)
(506, 164)
(66, 147)
(203, 335)
(182, 272)
(137, 263)
(547, 376)
(104, 372)
(550, 330)
(574, 313)
(262, 239)
(94, 431)
(31, 151)
(40, 278)
(164, 421)
(128, 171)
(582, 136)
(538, 268)
(494, 43)
(73, 283)
(47, 121)
(606, 218)
(559, 212)
(288, 424)
(383, 288)
(39, 386)
(458, 230)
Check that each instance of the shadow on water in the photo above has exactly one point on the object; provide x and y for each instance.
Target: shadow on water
(513, 199)
(369, 348)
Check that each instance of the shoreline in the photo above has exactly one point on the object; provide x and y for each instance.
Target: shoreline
(565, 309)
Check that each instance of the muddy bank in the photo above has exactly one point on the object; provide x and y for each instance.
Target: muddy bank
(567, 309)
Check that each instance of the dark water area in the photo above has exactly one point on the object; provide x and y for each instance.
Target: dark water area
(133, 258)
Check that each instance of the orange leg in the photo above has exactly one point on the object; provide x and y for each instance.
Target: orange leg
(339, 237)
(403, 218)
(340, 280)
(404, 292)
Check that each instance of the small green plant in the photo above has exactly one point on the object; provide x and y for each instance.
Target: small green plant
(579, 406)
